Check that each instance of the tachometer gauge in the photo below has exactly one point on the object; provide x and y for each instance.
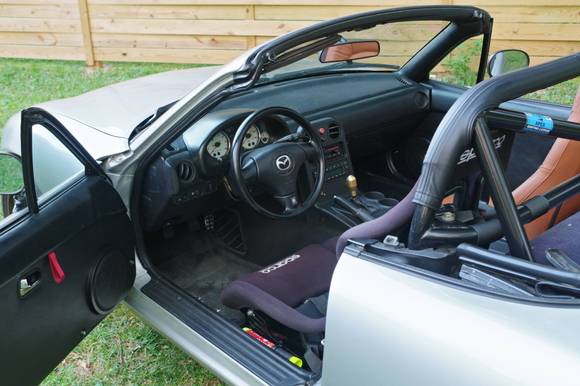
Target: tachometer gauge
(252, 138)
(219, 146)
(264, 136)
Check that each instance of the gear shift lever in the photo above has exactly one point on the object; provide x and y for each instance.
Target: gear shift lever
(352, 205)
(352, 185)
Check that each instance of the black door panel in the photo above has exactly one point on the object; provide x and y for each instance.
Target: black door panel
(83, 225)
(49, 304)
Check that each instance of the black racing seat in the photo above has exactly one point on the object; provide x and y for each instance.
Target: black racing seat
(281, 289)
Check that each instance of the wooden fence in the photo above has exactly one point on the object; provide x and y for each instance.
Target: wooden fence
(216, 31)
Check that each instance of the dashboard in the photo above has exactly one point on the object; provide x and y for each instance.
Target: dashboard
(189, 177)
(194, 165)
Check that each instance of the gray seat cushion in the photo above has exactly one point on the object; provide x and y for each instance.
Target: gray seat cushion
(564, 236)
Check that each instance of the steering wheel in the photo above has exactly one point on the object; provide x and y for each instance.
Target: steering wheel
(276, 166)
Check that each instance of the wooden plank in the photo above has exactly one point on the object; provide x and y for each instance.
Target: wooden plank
(65, 11)
(199, 56)
(374, 3)
(535, 60)
(41, 39)
(190, 12)
(251, 40)
(169, 42)
(86, 31)
(263, 39)
(41, 52)
(16, 24)
(407, 31)
(39, 2)
(538, 48)
(313, 12)
(379, 3)
(536, 31)
(400, 31)
(198, 27)
(527, 14)
(517, 3)
(545, 14)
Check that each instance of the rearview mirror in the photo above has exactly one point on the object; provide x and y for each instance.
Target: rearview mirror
(506, 61)
(11, 180)
(348, 51)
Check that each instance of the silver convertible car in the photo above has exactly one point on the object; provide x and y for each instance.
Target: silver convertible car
(324, 210)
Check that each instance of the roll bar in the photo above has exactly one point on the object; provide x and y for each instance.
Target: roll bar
(465, 123)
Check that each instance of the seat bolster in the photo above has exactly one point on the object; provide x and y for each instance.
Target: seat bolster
(244, 295)
(561, 163)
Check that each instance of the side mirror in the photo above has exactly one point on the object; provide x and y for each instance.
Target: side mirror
(11, 180)
(506, 61)
(348, 51)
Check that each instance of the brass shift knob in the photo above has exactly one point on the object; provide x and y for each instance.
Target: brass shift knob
(352, 185)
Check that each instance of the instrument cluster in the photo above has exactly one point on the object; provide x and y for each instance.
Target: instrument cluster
(218, 146)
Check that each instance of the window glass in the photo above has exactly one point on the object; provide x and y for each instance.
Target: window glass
(11, 187)
(460, 67)
(53, 164)
(399, 42)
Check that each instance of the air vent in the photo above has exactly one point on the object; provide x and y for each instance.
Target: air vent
(185, 171)
(405, 81)
(333, 131)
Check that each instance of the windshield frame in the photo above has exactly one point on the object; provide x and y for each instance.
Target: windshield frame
(339, 66)
(468, 21)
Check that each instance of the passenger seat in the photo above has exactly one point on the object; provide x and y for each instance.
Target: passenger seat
(561, 163)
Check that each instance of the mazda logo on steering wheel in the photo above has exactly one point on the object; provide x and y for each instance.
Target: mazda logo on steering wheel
(284, 163)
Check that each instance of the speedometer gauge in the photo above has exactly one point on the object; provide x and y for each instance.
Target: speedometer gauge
(252, 138)
(219, 146)
(264, 136)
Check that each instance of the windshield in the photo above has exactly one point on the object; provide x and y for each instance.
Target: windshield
(399, 42)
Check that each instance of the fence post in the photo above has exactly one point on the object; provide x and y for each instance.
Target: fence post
(87, 34)
(251, 40)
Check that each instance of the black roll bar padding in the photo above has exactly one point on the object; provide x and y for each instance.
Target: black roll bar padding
(480, 256)
(455, 132)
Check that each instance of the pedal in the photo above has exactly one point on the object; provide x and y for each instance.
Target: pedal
(209, 222)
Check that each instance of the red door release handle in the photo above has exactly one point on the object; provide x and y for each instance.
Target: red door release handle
(55, 268)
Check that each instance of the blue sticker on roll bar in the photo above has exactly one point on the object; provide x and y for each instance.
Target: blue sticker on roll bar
(539, 124)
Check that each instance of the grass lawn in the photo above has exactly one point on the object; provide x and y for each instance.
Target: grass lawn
(121, 350)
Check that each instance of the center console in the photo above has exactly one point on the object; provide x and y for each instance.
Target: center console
(336, 156)
(340, 196)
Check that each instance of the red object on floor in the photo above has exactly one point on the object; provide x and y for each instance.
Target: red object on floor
(55, 269)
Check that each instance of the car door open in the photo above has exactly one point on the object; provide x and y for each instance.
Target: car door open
(66, 261)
